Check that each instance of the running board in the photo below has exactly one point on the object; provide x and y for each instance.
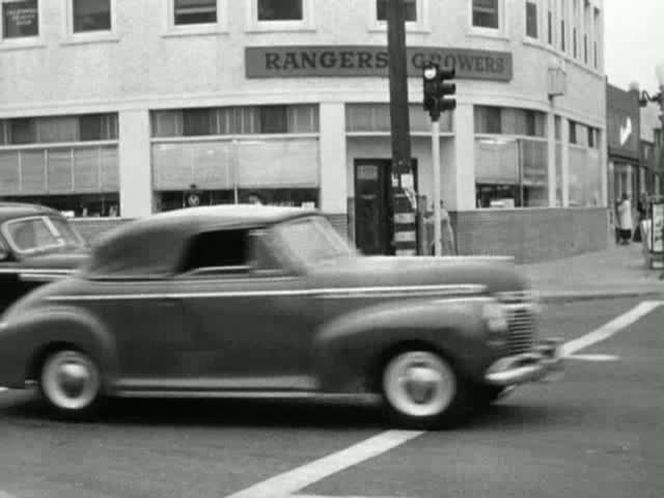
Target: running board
(261, 395)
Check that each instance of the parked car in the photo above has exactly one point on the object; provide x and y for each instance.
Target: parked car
(268, 302)
(37, 245)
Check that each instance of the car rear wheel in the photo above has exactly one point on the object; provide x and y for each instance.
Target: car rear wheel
(70, 383)
(422, 390)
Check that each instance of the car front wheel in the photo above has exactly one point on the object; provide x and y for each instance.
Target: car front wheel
(70, 384)
(422, 390)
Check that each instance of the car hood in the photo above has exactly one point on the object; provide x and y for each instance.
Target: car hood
(497, 274)
(57, 261)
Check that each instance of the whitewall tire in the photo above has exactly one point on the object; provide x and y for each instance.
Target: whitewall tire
(70, 383)
(422, 390)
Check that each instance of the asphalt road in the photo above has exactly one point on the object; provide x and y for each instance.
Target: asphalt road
(599, 432)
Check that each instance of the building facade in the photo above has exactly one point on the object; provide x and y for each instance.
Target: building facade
(114, 108)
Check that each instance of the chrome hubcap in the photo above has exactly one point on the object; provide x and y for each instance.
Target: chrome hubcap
(419, 384)
(70, 380)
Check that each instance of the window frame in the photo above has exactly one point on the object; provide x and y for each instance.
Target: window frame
(83, 36)
(307, 23)
(538, 28)
(22, 41)
(421, 24)
(172, 29)
(499, 32)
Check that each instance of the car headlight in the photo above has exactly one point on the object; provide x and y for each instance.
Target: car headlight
(495, 318)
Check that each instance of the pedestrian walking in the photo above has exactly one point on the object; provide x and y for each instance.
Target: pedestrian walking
(448, 244)
(625, 219)
(642, 214)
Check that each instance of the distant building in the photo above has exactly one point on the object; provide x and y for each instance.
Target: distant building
(118, 106)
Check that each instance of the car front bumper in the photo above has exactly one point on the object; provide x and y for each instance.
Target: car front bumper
(543, 364)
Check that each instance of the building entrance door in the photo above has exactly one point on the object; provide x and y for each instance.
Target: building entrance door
(373, 221)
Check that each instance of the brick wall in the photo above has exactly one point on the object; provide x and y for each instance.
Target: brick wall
(93, 228)
(531, 235)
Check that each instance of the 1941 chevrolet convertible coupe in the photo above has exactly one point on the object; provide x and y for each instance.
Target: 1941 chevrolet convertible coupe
(270, 302)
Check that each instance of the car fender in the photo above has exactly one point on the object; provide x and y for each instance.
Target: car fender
(349, 351)
(24, 341)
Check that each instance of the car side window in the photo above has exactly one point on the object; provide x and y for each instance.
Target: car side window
(219, 250)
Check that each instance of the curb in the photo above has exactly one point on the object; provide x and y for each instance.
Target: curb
(575, 296)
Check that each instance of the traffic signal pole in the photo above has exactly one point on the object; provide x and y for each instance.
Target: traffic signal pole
(437, 215)
(436, 101)
(401, 209)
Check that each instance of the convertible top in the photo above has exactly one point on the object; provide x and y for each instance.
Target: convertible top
(153, 246)
(14, 210)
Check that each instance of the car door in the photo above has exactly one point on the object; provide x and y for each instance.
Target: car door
(252, 316)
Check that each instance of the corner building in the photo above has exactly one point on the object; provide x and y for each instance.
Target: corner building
(110, 108)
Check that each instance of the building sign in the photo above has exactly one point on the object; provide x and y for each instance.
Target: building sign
(623, 123)
(371, 61)
(20, 18)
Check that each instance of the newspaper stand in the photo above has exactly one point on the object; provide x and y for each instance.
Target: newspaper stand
(656, 233)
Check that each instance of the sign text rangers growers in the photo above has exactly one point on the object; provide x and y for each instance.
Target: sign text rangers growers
(371, 61)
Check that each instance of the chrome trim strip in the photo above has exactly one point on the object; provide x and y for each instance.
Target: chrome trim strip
(324, 293)
(39, 271)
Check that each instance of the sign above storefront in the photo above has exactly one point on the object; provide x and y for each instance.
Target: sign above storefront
(371, 61)
(623, 123)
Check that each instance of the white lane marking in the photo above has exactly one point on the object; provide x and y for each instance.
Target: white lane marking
(609, 329)
(289, 483)
(593, 357)
(3, 390)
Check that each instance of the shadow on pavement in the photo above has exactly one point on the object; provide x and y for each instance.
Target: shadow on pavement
(287, 414)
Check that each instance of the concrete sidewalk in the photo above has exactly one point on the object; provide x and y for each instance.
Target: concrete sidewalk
(619, 271)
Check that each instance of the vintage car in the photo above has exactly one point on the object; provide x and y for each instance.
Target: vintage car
(258, 301)
(37, 245)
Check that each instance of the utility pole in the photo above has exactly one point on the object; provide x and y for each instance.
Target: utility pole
(402, 202)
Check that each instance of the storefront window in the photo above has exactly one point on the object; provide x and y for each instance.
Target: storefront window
(511, 172)
(240, 120)
(20, 19)
(76, 206)
(492, 120)
(91, 15)
(294, 197)
(195, 11)
(280, 10)
(59, 129)
(409, 5)
(371, 118)
(585, 177)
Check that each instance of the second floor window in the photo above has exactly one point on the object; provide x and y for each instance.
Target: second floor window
(485, 14)
(410, 7)
(280, 10)
(531, 19)
(91, 15)
(195, 12)
(20, 19)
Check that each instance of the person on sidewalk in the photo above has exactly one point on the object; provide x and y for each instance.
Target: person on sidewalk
(642, 211)
(447, 233)
(625, 220)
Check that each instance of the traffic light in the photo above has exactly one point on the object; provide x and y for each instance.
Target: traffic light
(436, 90)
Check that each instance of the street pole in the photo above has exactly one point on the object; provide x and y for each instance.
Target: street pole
(435, 160)
(400, 210)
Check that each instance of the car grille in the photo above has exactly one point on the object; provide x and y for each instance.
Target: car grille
(522, 329)
(519, 308)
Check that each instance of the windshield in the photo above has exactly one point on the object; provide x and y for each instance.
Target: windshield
(38, 234)
(314, 240)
